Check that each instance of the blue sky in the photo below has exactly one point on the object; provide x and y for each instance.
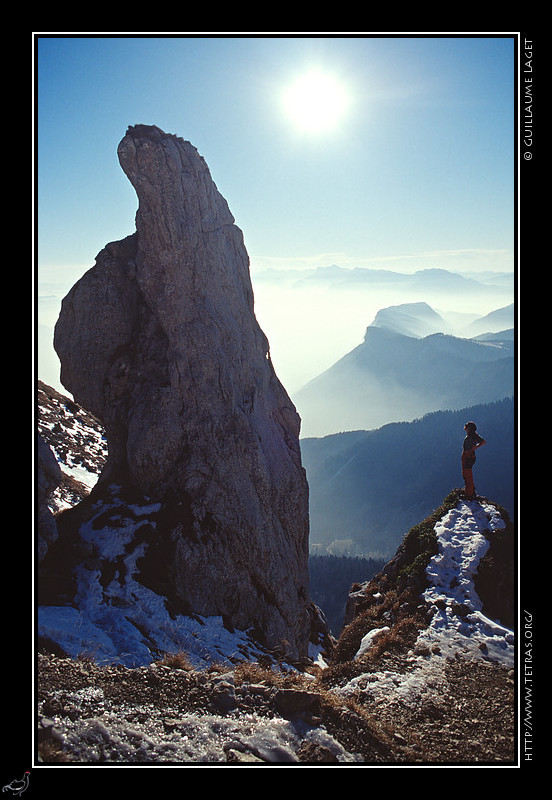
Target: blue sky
(418, 172)
(422, 162)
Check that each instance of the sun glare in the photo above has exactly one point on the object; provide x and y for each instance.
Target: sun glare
(316, 102)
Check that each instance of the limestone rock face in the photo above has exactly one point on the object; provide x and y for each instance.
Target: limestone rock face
(159, 340)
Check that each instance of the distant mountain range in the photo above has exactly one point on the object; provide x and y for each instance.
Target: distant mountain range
(427, 279)
(406, 368)
(368, 488)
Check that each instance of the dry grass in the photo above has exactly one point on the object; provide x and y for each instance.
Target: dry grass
(176, 661)
(346, 718)
(398, 611)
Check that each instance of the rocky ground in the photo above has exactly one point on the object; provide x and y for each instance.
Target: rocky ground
(166, 713)
(470, 719)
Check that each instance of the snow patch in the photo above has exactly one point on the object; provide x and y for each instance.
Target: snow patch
(368, 640)
(458, 626)
(140, 736)
(123, 621)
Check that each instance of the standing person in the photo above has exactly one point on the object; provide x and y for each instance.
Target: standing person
(472, 441)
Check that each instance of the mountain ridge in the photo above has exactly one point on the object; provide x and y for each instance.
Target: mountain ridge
(393, 376)
(370, 486)
(337, 276)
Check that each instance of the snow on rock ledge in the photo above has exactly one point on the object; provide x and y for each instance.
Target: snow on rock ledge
(458, 627)
(115, 617)
(458, 624)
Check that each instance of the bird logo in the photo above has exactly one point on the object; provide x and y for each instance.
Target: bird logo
(17, 787)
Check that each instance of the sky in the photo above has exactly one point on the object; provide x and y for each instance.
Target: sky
(410, 163)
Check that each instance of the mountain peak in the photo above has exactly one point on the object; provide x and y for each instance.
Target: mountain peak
(410, 319)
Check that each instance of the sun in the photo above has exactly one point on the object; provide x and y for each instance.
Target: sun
(316, 102)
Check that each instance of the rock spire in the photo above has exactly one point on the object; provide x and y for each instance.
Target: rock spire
(159, 340)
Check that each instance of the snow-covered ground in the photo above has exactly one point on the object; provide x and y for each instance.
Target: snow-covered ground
(462, 545)
(122, 621)
(458, 626)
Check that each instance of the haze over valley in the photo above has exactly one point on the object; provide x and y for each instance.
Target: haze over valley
(313, 317)
(362, 348)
